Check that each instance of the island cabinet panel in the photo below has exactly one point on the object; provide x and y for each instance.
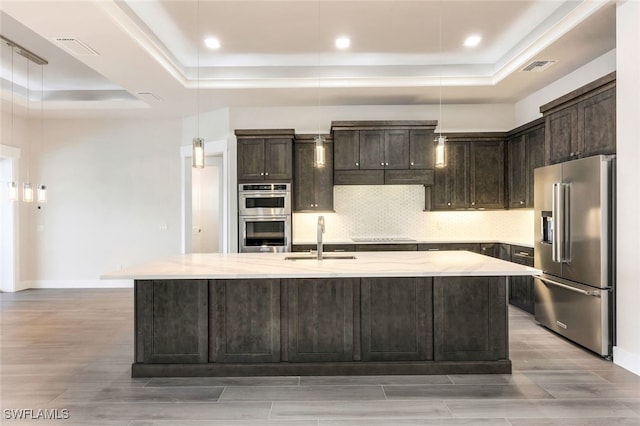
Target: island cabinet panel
(319, 325)
(245, 321)
(172, 323)
(470, 318)
(396, 319)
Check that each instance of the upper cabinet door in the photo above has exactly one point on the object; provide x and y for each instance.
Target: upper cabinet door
(396, 149)
(421, 149)
(562, 129)
(371, 149)
(535, 158)
(323, 180)
(278, 159)
(346, 150)
(250, 159)
(303, 177)
(517, 172)
(598, 124)
(487, 174)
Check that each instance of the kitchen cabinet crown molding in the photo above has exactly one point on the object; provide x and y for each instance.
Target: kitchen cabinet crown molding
(264, 133)
(600, 85)
(384, 124)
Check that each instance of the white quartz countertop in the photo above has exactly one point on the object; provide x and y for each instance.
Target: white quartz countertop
(366, 264)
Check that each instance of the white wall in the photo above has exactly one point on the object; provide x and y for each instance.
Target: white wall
(114, 200)
(627, 351)
(455, 118)
(528, 109)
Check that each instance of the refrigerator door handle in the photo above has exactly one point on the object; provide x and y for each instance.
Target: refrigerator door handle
(568, 287)
(556, 212)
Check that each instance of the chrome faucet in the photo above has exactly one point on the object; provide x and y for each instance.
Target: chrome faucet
(320, 232)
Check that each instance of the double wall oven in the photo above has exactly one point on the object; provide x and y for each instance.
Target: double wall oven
(264, 217)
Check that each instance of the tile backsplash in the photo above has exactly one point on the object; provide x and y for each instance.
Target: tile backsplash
(398, 211)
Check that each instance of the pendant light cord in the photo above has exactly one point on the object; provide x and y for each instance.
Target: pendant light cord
(28, 139)
(198, 68)
(441, 62)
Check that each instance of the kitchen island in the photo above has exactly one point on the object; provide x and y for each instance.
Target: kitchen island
(244, 314)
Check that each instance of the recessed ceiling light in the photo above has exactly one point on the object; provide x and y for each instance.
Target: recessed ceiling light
(212, 43)
(343, 42)
(472, 40)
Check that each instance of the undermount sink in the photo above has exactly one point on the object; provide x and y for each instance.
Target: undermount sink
(324, 257)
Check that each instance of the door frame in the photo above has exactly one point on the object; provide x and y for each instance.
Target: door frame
(211, 149)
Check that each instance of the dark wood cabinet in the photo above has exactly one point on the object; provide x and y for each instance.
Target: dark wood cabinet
(371, 149)
(329, 248)
(265, 155)
(469, 318)
(421, 149)
(451, 184)
(472, 247)
(312, 186)
(346, 150)
(383, 152)
(582, 123)
(521, 287)
(396, 319)
(473, 177)
(320, 319)
(487, 189)
(172, 321)
(245, 321)
(525, 149)
(387, 247)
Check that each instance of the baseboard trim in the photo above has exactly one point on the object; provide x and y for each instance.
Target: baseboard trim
(627, 360)
(77, 284)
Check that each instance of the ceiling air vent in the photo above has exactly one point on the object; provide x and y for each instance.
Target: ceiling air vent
(538, 66)
(149, 97)
(75, 46)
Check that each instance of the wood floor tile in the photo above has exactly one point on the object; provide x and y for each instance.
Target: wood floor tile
(73, 349)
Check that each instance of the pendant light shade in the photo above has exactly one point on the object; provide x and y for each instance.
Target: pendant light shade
(441, 157)
(198, 153)
(27, 192)
(12, 191)
(41, 193)
(319, 153)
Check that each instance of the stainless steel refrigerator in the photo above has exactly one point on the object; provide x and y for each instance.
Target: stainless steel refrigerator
(575, 248)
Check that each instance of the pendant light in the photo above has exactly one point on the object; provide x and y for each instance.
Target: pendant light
(319, 149)
(198, 143)
(28, 193)
(440, 141)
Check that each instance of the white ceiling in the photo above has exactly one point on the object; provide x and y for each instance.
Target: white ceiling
(282, 52)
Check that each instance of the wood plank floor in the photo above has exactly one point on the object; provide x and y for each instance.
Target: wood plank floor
(72, 350)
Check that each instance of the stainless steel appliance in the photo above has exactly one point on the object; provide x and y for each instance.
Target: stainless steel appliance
(264, 217)
(575, 229)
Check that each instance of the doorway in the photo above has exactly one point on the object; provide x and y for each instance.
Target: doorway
(206, 194)
(205, 200)
(8, 224)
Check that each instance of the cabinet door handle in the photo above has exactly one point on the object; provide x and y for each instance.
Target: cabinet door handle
(412, 163)
(311, 205)
(266, 173)
(357, 164)
(521, 202)
(448, 204)
(473, 203)
(386, 164)
(382, 164)
(262, 174)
